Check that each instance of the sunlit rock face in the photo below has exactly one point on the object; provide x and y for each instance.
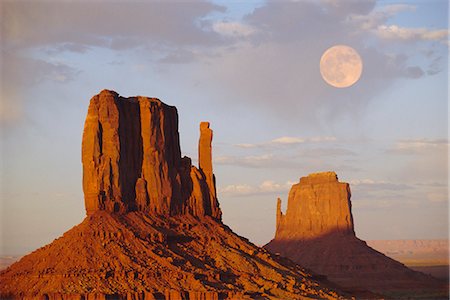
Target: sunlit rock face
(318, 205)
(132, 160)
(317, 232)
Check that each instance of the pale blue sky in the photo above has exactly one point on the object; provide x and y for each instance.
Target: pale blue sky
(252, 70)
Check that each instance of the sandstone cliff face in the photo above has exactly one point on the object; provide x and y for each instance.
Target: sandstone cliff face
(318, 233)
(132, 160)
(318, 205)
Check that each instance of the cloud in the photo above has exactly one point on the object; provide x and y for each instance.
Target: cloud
(246, 145)
(419, 146)
(276, 48)
(378, 16)
(267, 187)
(306, 159)
(409, 34)
(326, 152)
(376, 23)
(18, 72)
(288, 141)
(232, 28)
(34, 33)
(101, 24)
(379, 185)
(414, 72)
(279, 61)
(178, 57)
(436, 65)
(281, 42)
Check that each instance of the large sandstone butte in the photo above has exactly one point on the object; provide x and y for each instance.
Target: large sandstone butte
(132, 160)
(153, 228)
(318, 232)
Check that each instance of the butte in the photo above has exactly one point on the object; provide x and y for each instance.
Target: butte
(318, 232)
(153, 228)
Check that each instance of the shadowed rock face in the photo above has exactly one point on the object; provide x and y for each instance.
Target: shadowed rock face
(318, 233)
(132, 160)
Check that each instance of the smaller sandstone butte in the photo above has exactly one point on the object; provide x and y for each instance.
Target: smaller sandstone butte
(132, 160)
(324, 208)
(317, 231)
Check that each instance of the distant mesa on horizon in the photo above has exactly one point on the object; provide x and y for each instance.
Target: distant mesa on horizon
(317, 232)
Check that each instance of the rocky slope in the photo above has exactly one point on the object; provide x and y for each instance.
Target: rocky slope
(318, 232)
(153, 228)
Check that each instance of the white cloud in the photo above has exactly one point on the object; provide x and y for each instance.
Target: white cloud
(379, 16)
(371, 185)
(233, 29)
(392, 32)
(246, 145)
(361, 181)
(376, 22)
(236, 189)
(393, 9)
(419, 146)
(287, 140)
(266, 187)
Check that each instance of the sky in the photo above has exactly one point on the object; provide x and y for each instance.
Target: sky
(250, 68)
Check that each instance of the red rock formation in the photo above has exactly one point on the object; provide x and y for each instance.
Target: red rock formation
(132, 160)
(317, 205)
(205, 165)
(318, 232)
(153, 228)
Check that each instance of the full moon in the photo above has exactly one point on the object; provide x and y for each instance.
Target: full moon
(341, 66)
